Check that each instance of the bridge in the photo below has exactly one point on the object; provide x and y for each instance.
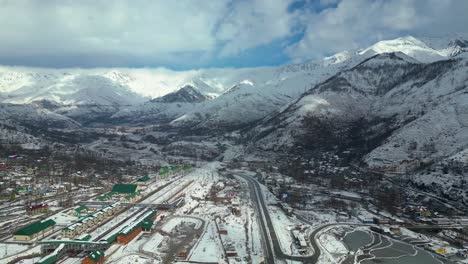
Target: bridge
(48, 246)
(433, 227)
(164, 206)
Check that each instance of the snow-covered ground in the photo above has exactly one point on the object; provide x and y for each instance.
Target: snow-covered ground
(209, 249)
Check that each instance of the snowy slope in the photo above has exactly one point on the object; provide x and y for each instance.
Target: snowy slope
(408, 45)
(22, 87)
(262, 92)
(241, 96)
(268, 90)
(29, 114)
(163, 109)
(237, 96)
(424, 102)
(424, 49)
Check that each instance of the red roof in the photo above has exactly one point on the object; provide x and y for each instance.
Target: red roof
(37, 206)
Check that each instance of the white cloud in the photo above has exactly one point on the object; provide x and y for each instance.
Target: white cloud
(200, 32)
(104, 26)
(251, 23)
(358, 23)
(165, 31)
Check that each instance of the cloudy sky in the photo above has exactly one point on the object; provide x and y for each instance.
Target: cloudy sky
(187, 34)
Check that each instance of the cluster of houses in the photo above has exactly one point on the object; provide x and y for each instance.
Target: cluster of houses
(90, 221)
(126, 193)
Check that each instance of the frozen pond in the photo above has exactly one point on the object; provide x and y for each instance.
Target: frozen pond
(376, 248)
(357, 239)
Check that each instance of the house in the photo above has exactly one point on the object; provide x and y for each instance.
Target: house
(37, 209)
(395, 230)
(95, 257)
(143, 180)
(34, 230)
(73, 230)
(105, 197)
(418, 212)
(87, 222)
(82, 209)
(129, 198)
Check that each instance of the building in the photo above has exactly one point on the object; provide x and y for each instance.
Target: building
(105, 197)
(129, 198)
(124, 188)
(143, 180)
(381, 221)
(463, 253)
(95, 257)
(142, 223)
(442, 221)
(90, 221)
(147, 225)
(73, 230)
(418, 212)
(395, 230)
(34, 230)
(37, 209)
(82, 209)
(128, 234)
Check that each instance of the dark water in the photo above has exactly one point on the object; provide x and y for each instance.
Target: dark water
(357, 239)
(390, 251)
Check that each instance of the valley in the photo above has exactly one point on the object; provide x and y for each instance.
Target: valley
(360, 157)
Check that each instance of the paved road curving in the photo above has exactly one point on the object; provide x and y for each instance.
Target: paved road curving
(272, 246)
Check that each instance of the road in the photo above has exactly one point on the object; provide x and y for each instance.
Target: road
(272, 246)
(269, 255)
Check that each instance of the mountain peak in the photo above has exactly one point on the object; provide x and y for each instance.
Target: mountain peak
(408, 45)
(186, 94)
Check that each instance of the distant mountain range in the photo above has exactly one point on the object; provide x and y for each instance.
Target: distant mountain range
(411, 95)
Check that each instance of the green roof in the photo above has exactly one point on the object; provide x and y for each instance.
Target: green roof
(163, 170)
(130, 196)
(81, 208)
(34, 228)
(49, 259)
(95, 256)
(147, 224)
(105, 196)
(124, 188)
(144, 178)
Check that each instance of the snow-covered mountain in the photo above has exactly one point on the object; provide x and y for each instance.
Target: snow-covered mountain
(163, 109)
(31, 126)
(186, 94)
(350, 85)
(250, 93)
(65, 88)
(402, 109)
(269, 90)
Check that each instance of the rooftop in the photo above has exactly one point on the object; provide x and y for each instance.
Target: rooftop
(95, 256)
(35, 228)
(125, 188)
